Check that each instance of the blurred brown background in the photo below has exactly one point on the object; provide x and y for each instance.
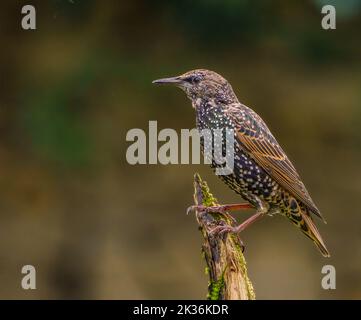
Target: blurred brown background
(96, 227)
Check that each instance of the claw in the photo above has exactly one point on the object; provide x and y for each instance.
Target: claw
(189, 210)
(223, 229)
(194, 209)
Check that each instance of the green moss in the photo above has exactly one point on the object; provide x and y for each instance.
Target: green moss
(243, 264)
(208, 198)
(207, 270)
(215, 289)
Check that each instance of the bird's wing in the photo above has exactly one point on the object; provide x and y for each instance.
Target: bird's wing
(255, 137)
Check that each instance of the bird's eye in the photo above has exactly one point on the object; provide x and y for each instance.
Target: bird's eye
(193, 79)
(197, 78)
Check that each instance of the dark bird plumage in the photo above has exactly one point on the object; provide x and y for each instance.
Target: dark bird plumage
(263, 175)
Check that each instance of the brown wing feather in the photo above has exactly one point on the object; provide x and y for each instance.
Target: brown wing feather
(255, 137)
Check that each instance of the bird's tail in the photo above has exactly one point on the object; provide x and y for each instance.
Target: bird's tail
(308, 227)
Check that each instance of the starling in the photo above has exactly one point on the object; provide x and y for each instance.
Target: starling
(262, 173)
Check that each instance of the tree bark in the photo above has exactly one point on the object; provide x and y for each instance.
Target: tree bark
(226, 265)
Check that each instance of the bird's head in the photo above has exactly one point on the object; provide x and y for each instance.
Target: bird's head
(203, 84)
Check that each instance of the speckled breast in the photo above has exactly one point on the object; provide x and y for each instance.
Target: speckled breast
(247, 179)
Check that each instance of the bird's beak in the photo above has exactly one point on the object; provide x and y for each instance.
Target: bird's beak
(172, 80)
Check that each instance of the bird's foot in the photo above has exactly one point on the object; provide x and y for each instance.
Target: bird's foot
(194, 209)
(224, 229)
(230, 229)
(220, 230)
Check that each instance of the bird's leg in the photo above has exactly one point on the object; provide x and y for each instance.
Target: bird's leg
(241, 227)
(220, 209)
(261, 211)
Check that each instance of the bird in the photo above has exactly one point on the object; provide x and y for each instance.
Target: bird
(262, 175)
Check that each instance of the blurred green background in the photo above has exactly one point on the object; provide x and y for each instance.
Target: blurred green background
(97, 227)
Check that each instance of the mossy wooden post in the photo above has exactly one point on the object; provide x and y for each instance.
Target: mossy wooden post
(226, 264)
